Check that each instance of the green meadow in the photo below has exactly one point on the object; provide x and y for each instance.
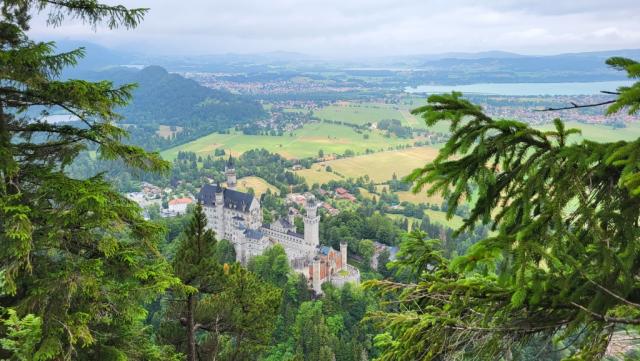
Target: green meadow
(435, 217)
(358, 113)
(600, 133)
(305, 142)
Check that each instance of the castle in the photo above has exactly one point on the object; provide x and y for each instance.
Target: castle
(237, 217)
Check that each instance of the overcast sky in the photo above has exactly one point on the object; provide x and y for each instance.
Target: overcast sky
(347, 28)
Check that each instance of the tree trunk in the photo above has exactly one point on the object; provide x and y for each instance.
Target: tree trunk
(5, 152)
(508, 356)
(191, 332)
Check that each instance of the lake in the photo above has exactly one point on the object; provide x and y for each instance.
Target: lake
(59, 118)
(524, 89)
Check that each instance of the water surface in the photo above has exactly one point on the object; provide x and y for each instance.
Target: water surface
(524, 89)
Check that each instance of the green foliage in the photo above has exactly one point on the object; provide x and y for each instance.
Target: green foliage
(225, 253)
(221, 310)
(79, 263)
(312, 335)
(366, 249)
(244, 310)
(162, 98)
(195, 261)
(272, 266)
(383, 260)
(628, 97)
(22, 335)
(353, 226)
(562, 262)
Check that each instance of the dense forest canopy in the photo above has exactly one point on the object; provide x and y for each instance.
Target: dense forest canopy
(161, 98)
(164, 98)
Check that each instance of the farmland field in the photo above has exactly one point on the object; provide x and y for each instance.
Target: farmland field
(305, 142)
(422, 197)
(318, 174)
(435, 217)
(366, 194)
(258, 184)
(379, 166)
(358, 113)
(600, 133)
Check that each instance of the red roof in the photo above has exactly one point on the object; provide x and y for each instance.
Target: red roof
(176, 201)
(349, 197)
(341, 190)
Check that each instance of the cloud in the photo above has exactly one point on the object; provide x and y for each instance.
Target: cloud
(369, 27)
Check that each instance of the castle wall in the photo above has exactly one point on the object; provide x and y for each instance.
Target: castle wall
(295, 247)
(302, 251)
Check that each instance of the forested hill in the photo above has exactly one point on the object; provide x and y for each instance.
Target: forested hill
(171, 99)
(164, 98)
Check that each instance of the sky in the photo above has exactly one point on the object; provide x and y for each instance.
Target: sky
(366, 28)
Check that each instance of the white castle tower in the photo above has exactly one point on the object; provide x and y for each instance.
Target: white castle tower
(292, 217)
(219, 226)
(315, 276)
(312, 223)
(230, 173)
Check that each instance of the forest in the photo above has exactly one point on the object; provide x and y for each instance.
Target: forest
(161, 98)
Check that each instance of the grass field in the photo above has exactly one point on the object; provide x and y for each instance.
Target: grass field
(318, 174)
(600, 133)
(358, 113)
(305, 142)
(421, 197)
(362, 113)
(379, 166)
(435, 217)
(366, 194)
(441, 217)
(258, 184)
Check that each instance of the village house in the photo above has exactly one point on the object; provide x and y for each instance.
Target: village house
(179, 206)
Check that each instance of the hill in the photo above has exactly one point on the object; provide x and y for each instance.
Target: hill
(167, 98)
(164, 99)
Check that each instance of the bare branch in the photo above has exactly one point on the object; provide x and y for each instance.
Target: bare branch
(576, 106)
(625, 321)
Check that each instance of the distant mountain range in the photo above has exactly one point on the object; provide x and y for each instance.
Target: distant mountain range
(448, 68)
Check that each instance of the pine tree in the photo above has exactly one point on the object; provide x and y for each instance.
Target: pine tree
(220, 311)
(563, 261)
(75, 254)
(196, 265)
(244, 312)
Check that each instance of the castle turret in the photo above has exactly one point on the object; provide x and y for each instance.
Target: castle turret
(230, 173)
(343, 254)
(292, 217)
(312, 224)
(317, 285)
(219, 226)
